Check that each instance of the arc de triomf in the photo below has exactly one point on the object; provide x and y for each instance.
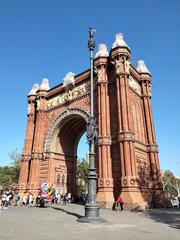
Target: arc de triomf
(126, 152)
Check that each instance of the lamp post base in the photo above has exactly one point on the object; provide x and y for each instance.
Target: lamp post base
(91, 214)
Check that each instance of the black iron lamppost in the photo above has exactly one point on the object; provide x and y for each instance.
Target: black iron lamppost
(91, 207)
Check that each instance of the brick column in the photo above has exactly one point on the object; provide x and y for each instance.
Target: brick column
(150, 132)
(129, 185)
(121, 59)
(105, 181)
(27, 151)
(37, 153)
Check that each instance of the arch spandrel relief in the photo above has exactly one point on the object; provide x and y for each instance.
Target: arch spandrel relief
(134, 85)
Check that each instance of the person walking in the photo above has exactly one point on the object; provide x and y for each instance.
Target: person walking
(16, 198)
(24, 200)
(120, 203)
(31, 200)
(4, 201)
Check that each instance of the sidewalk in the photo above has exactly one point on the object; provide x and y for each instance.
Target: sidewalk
(61, 223)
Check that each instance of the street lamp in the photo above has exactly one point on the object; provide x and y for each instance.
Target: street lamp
(91, 206)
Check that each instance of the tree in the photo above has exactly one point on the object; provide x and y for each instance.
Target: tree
(9, 175)
(171, 184)
(16, 158)
(177, 186)
(81, 175)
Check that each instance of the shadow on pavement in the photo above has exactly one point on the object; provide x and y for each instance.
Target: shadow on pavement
(66, 211)
(167, 216)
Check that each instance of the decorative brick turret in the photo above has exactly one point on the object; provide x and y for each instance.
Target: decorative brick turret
(145, 79)
(120, 57)
(29, 138)
(37, 152)
(105, 180)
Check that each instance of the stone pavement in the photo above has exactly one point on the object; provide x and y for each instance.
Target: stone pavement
(17, 223)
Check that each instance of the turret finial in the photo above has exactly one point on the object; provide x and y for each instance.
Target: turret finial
(44, 84)
(102, 51)
(119, 41)
(69, 79)
(141, 67)
(34, 89)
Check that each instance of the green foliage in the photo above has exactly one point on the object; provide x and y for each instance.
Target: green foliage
(9, 175)
(171, 184)
(81, 175)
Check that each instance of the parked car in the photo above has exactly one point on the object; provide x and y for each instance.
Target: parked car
(174, 202)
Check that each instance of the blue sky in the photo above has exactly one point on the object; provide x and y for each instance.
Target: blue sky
(49, 38)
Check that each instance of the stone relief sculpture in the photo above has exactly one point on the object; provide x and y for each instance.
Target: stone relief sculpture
(69, 95)
(127, 66)
(69, 79)
(134, 85)
(118, 63)
(102, 51)
(99, 73)
(38, 104)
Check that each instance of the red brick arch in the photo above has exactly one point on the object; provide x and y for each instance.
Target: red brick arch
(126, 138)
(54, 128)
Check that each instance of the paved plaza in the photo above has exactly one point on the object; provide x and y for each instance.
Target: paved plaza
(19, 223)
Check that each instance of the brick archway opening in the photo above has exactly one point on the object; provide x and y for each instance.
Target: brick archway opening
(63, 146)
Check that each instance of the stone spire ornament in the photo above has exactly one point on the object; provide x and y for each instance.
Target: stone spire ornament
(34, 89)
(102, 51)
(45, 84)
(141, 67)
(69, 79)
(119, 41)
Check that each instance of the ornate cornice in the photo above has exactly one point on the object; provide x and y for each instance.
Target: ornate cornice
(152, 148)
(37, 155)
(126, 136)
(105, 140)
(25, 157)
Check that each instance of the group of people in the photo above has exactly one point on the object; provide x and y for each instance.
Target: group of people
(6, 199)
(29, 200)
(56, 198)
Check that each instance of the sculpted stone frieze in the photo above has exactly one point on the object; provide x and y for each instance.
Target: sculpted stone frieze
(38, 104)
(69, 95)
(134, 85)
(127, 66)
(118, 63)
(101, 73)
(122, 65)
